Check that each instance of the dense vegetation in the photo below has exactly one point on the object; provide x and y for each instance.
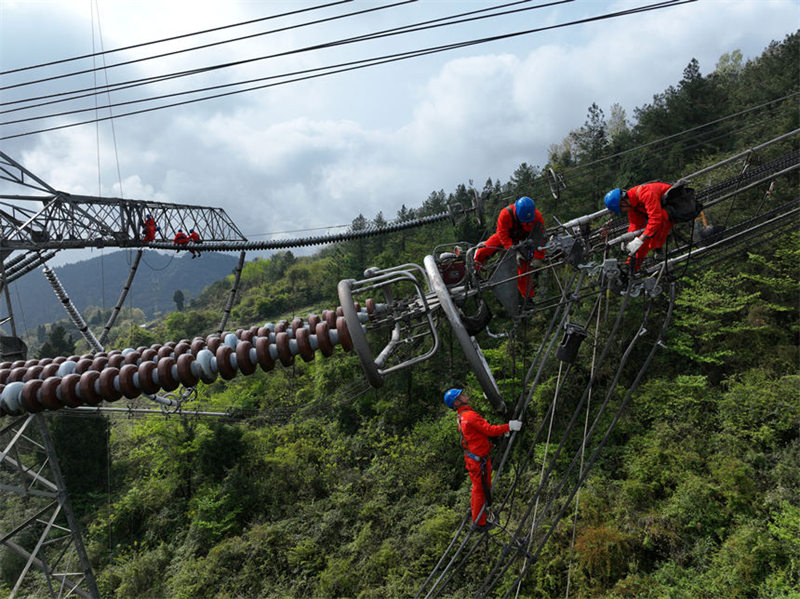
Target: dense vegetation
(324, 489)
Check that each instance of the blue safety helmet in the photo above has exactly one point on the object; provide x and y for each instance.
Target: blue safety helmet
(525, 209)
(612, 200)
(450, 397)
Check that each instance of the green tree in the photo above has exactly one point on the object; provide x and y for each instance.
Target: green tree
(58, 343)
(178, 298)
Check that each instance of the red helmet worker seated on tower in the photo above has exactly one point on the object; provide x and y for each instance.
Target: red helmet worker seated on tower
(517, 222)
(475, 433)
(643, 207)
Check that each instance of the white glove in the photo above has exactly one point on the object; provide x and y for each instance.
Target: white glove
(520, 258)
(514, 425)
(634, 245)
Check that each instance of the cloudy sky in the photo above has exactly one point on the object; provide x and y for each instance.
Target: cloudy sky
(301, 157)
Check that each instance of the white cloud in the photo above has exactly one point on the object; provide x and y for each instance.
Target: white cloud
(320, 152)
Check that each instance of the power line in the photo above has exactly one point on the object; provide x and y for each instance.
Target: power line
(128, 62)
(171, 39)
(363, 63)
(404, 29)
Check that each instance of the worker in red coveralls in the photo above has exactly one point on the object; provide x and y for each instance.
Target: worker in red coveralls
(643, 207)
(517, 222)
(194, 237)
(150, 228)
(475, 433)
(181, 238)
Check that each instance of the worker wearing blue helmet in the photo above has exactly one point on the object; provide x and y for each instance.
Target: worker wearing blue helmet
(642, 204)
(517, 222)
(475, 433)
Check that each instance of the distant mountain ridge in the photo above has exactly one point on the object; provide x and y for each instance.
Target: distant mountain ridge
(99, 282)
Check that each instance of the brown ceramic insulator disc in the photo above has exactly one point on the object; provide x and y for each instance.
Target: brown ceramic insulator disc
(185, 370)
(212, 343)
(132, 357)
(149, 355)
(126, 385)
(254, 330)
(197, 345)
(165, 378)
(329, 316)
(238, 333)
(282, 345)
(224, 366)
(86, 387)
(69, 396)
(370, 306)
(29, 363)
(141, 348)
(246, 335)
(45, 361)
(312, 321)
(165, 351)
(181, 348)
(303, 338)
(73, 358)
(27, 396)
(339, 311)
(264, 332)
(146, 383)
(59, 360)
(16, 374)
(4, 372)
(83, 365)
(106, 384)
(99, 363)
(48, 394)
(34, 372)
(296, 324)
(344, 334)
(262, 354)
(5, 365)
(324, 339)
(243, 357)
(115, 361)
(49, 370)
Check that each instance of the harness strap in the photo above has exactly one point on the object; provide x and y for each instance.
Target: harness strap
(517, 233)
(467, 452)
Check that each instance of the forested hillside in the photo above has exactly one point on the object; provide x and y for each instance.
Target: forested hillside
(325, 487)
(158, 278)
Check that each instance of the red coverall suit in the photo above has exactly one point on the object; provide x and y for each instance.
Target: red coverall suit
(149, 229)
(181, 238)
(475, 433)
(646, 212)
(509, 232)
(194, 237)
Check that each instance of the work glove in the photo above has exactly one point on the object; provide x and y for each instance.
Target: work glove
(521, 258)
(634, 245)
(514, 425)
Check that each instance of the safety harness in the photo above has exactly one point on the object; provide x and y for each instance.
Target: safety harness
(517, 232)
(482, 460)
